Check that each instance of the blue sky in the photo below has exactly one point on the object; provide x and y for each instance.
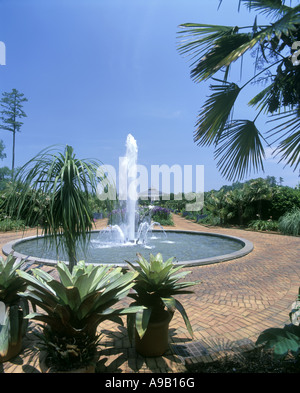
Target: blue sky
(96, 70)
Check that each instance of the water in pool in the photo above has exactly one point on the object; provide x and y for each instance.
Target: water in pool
(101, 250)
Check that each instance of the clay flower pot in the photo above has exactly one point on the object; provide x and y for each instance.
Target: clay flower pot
(13, 351)
(155, 341)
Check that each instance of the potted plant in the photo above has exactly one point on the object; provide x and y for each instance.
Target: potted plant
(284, 340)
(73, 308)
(154, 287)
(13, 308)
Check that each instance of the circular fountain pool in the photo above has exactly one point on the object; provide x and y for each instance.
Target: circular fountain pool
(187, 247)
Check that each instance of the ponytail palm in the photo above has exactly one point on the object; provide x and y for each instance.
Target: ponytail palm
(215, 48)
(67, 182)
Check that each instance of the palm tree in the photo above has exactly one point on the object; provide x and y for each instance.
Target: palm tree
(237, 200)
(258, 190)
(67, 181)
(216, 204)
(215, 48)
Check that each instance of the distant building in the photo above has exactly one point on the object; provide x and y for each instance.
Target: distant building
(152, 194)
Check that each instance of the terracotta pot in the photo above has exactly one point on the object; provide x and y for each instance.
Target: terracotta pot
(13, 350)
(155, 341)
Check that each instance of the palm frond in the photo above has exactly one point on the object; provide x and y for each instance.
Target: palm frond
(67, 182)
(204, 35)
(212, 45)
(289, 129)
(215, 48)
(216, 113)
(240, 150)
(272, 8)
(261, 100)
(225, 44)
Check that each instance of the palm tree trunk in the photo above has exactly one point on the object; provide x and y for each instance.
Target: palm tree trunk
(71, 250)
(72, 261)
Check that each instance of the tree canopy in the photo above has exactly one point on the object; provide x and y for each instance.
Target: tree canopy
(239, 143)
(11, 113)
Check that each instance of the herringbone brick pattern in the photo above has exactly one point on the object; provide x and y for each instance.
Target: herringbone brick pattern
(234, 302)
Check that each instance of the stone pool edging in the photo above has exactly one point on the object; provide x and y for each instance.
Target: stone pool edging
(247, 248)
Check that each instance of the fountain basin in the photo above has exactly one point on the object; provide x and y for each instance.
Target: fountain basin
(189, 248)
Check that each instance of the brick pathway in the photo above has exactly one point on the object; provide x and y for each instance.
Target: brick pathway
(235, 301)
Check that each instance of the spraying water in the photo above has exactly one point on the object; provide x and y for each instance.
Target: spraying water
(132, 196)
(127, 232)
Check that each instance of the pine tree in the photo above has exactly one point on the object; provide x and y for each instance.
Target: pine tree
(11, 114)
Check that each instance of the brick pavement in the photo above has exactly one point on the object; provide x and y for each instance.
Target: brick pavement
(235, 301)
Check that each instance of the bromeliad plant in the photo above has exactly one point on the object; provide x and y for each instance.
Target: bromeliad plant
(74, 307)
(156, 284)
(286, 339)
(13, 308)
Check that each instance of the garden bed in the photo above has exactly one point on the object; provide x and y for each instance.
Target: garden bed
(254, 361)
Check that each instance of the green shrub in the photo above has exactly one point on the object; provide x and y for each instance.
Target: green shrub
(209, 220)
(9, 224)
(284, 200)
(289, 223)
(263, 225)
(162, 215)
(169, 221)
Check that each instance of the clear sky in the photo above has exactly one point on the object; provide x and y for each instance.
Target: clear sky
(96, 70)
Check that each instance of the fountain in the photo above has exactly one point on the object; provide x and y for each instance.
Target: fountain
(121, 241)
(130, 185)
(126, 231)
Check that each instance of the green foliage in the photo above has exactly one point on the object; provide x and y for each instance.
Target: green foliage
(175, 204)
(156, 284)
(10, 282)
(263, 225)
(34, 208)
(162, 215)
(286, 339)
(80, 300)
(65, 353)
(98, 206)
(214, 49)
(65, 182)
(289, 224)
(240, 203)
(12, 112)
(5, 176)
(217, 205)
(76, 304)
(13, 326)
(258, 200)
(8, 224)
(284, 199)
(2, 154)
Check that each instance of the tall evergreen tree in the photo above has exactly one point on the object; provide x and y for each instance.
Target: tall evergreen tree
(12, 112)
(2, 147)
